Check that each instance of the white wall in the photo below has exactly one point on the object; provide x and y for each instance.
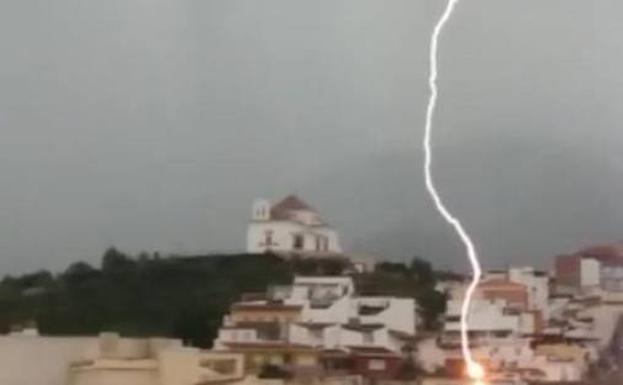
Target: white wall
(41, 360)
(282, 236)
(611, 278)
(483, 316)
(171, 366)
(350, 337)
(429, 356)
(527, 323)
(237, 335)
(605, 318)
(400, 314)
(106, 376)
(589, 272)
(537, 286)
(333, 238)
(336, 313)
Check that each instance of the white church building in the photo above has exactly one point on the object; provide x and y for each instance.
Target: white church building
(290, 225)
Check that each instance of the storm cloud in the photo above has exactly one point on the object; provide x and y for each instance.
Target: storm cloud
(152, 125)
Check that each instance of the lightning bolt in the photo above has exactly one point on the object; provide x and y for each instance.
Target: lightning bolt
(474, 369)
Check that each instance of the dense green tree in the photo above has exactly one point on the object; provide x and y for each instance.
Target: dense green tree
(183, 297)
(114, 260)
(392, 267)
(423, 271)
(432, 304)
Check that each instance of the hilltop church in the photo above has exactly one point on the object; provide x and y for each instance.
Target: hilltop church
(290, 226)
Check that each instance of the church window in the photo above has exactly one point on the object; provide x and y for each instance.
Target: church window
(298, 242)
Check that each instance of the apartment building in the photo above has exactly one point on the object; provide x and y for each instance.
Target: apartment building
(320, 323)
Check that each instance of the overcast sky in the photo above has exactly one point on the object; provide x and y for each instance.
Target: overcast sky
(153, 124)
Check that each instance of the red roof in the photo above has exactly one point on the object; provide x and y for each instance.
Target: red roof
(292, 202)
(282, 209)
(609, 254)
(499, 283)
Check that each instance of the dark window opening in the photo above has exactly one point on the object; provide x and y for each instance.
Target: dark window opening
(298, 242)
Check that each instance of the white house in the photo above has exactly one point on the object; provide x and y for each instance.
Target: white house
(537, 285)
(488, 321)
(321, 313)
(290, 225)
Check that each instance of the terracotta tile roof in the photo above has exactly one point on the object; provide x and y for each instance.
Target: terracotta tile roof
(291, 203)
(607, 254)
(284, 210)
(498, 283)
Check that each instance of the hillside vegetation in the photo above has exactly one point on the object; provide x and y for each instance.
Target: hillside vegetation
(182, 297)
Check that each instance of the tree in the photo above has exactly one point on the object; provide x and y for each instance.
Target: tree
(431, 304)
(79, 273)
(423, 271)
(114, 260)
(392, 268)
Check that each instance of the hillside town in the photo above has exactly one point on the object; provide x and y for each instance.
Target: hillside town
(526, 326)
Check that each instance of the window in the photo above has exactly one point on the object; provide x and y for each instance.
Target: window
(501, 333)
(298, 241)
(376, 364)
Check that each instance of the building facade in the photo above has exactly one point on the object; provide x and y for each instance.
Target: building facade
(319, 324)
(290, 226)
(594, 267)
(154, 361)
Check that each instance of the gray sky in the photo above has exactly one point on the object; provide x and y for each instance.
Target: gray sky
(152, 124)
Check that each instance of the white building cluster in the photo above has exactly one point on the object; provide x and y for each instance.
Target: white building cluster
(319, 322)
(521, 328)
(525, 326)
